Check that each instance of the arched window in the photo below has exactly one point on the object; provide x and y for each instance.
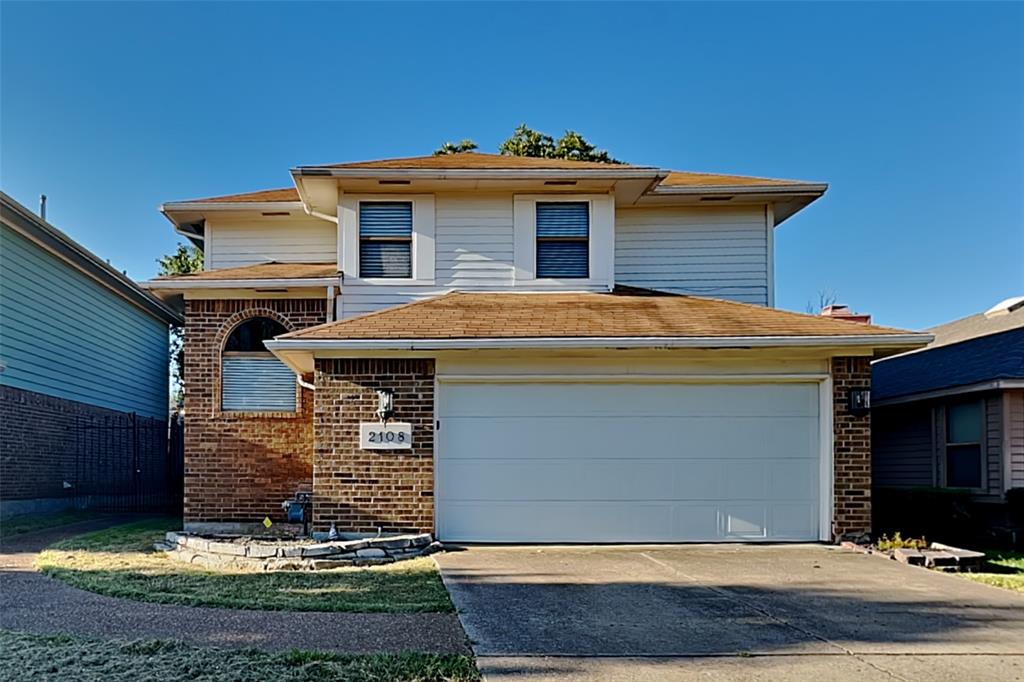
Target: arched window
(252, 379)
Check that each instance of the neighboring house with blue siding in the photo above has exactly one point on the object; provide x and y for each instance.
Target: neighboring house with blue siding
(80, 344)
(951, 415)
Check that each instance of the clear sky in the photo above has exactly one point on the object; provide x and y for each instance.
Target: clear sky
(914, 114)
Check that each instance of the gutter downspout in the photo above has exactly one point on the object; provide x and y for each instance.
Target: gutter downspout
(305, 384)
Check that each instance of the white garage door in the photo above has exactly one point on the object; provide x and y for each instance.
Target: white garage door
(606, 462)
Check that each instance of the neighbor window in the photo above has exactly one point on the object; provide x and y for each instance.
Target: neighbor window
(252, 379)
(385, 239)
(963, 445)
(563, 239)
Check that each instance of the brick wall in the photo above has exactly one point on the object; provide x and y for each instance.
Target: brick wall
(363, 490)
(852, 448)
(102, 455)
(240, 466)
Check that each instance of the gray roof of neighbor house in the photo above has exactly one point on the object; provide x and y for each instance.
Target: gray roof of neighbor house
(985, 350)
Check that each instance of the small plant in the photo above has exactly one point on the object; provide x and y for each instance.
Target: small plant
(887, 544)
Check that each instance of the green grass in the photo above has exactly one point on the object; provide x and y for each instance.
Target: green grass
(61, 658)
(1001, 569)
(28, 523)
(120, 562)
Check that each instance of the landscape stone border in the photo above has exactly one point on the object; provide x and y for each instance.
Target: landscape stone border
(280, 554)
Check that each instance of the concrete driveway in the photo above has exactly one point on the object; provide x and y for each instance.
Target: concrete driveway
(775, 612)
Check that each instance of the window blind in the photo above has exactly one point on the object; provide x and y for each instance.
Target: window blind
(563, 239)
(385, 239)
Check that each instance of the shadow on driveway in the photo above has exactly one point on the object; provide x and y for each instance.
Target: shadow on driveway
(663, 603)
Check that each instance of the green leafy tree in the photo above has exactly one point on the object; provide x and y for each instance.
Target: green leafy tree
(526, 141)
(455, 147)
(184, 260)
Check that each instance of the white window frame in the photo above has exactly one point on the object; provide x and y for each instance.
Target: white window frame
(601, 240)
(423, 221)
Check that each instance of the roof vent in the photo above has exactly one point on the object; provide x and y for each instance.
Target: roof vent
(392, 182)
(1006, 307)
(560, 182)
(716, 198)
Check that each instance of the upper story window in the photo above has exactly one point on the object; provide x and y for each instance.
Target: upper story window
(385, 239)
(563, 239)
(963, 444)
(252, 379)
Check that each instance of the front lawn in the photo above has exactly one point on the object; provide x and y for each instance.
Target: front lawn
(121, 562)
(1001, 569)
(61, 658)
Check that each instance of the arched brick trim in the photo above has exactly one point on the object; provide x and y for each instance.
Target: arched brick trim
(249, 313)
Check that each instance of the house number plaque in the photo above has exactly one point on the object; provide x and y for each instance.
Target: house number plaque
(389, 436)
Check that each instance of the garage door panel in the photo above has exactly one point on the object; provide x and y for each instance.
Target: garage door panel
(521, 462)
(555, 521)
(629, 400)
(793, 521)
(637, 437)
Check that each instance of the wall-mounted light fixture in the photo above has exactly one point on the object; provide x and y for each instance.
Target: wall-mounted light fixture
(385, 404)
(859, 401)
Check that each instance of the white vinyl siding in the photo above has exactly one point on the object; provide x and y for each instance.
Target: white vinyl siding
(252, 384)
(621, 462)
(235, 243)
(721, 252)
(474, 248)
(474, 241)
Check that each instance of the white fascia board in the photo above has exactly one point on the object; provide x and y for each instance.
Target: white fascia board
(789, 190)
(872, 341)
(206, 206)
(477, 173)
(182, 285)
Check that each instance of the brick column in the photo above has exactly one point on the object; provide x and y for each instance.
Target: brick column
(366, 490)
(852, 449)
(240, 466)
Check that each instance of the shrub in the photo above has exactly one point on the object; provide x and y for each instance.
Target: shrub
(943, 514)
(1015, 506)
(897, 541)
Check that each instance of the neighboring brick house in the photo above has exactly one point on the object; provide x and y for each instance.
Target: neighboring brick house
(512, 349)
(84, 385)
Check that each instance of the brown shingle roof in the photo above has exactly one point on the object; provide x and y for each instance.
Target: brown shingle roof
(261, 271)
(688, 179)
(477, 160)
(268, 195)
(626, 312)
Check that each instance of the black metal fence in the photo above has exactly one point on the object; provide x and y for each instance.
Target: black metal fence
(129, 463)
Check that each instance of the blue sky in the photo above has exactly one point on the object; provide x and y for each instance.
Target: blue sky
(914, 113)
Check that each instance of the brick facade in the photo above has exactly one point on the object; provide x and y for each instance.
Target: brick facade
(57, 453)
(240, 466)
(852, 449)
(366, 490)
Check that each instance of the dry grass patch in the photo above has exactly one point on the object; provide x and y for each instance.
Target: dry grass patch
(61, 658)
(121, 562)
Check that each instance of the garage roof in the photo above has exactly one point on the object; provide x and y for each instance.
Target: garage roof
(624, 313)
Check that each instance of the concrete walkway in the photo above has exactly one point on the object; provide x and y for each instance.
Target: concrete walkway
(31, 602)
(727, 612)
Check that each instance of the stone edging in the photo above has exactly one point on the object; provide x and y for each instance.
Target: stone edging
(294, 555)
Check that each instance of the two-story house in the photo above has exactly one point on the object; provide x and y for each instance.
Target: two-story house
(562, 352)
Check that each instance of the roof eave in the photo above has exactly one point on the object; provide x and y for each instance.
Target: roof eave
(801, 189)
(53, 240)
(931, 394)
(874, 341)
(478, 173)
(184, 284)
